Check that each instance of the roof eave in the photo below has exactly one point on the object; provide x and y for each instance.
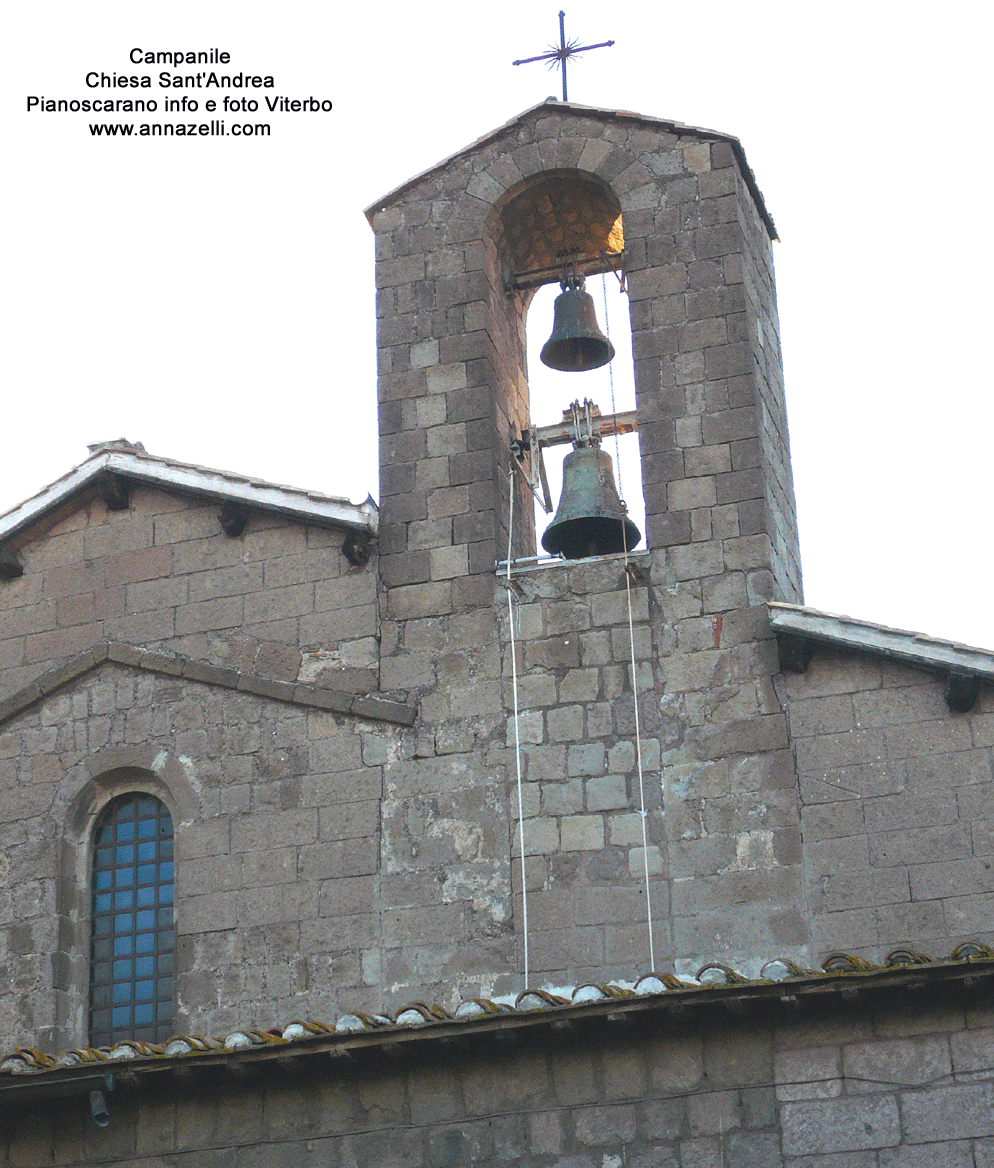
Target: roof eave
(911, 648)
(932, 984)
(322, 510)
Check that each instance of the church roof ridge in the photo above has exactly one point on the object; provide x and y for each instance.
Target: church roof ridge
(133, 462)
(588, 111)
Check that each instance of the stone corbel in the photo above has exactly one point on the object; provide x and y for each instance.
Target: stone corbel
(10, 565)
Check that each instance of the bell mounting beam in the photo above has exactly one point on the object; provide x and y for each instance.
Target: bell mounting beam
(535, 438)
(605, 425)
(559, 55)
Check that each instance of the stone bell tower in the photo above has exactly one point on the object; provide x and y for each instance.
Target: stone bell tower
(460, 250)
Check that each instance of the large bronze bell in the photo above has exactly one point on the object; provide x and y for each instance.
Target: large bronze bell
(577, 343)
(590, 519)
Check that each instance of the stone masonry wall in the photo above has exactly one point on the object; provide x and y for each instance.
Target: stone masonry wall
(883, 1088)
(722, 823)
(276, 815)
(772, 451)
(896, 794)
(279, 600)
(725, 860)
(708, 378)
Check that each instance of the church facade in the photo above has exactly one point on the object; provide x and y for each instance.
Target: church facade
(338, 834)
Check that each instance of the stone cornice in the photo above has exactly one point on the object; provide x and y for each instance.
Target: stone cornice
(171, 665)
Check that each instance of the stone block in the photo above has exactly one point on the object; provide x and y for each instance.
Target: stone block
(546, 763)
(209, 913)
(948, 1113)
(967, 914)
(639, 857)
(926, 738)
(278, 904)
(973, 1053)
(448, 562)
(840, 1125)
(947, 842)
(580, 685)
(541, 839)
(586, 759)
(562, 798)
(883, 1065)
(581, 833)
(738, 1058)
(550, 652)
(952, 879)
(713, 1112)
(535, 689)
(607, 793)
(423, 354)
(697, 560)
(565, 723)
(685, 494)
(445, 378)
(948, 1155)
(579, 948)
(829, 751)
(572, 1075)
(753, 1149)
(606, 1126)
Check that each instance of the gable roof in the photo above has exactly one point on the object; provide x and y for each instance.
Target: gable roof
(600, 113)
(133, 463)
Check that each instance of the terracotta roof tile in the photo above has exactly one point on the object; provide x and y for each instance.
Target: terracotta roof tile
(710, 977)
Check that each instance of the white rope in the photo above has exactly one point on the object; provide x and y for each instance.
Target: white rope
(643, 814)
(517, 732)
(638, 753)
(614, 408)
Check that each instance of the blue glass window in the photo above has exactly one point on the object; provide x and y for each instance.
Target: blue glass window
(132, 998)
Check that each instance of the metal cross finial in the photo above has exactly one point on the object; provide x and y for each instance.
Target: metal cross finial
(563, 52)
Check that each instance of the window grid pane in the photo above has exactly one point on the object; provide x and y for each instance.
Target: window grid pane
(131, 951)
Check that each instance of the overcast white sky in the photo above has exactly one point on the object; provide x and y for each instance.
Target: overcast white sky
(214, 297)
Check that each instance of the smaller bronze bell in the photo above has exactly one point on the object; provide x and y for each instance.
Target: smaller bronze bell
(590, 519)
(577, 343)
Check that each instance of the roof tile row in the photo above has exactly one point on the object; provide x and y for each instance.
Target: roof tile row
(27, 1060)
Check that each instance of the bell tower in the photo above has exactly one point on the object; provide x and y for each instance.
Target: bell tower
(647, 777)
(460, 250)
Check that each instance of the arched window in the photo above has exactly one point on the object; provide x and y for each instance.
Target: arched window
(131, 952)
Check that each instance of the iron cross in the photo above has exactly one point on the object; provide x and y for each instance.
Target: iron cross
(563, 52)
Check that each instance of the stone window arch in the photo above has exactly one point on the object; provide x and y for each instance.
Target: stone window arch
(555, 217)
(87, 793)
(132, 930)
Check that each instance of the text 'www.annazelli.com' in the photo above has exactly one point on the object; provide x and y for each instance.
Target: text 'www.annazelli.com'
(212, 129)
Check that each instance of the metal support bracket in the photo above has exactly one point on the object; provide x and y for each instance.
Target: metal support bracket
(535, 476)
(582, 425)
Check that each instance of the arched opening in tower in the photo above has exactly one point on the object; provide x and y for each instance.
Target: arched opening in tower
(565, 226)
